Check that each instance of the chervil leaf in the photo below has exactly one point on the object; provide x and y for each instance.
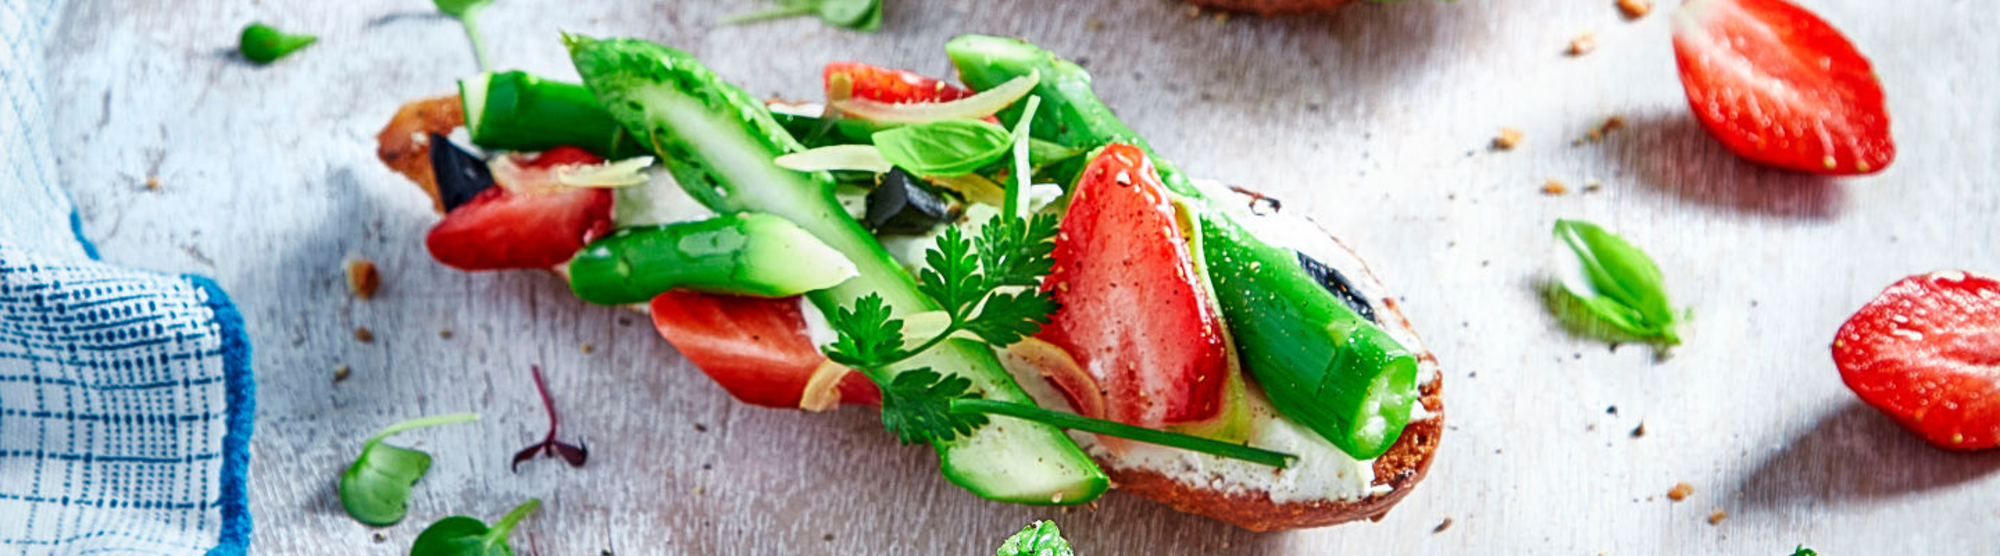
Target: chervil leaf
(866, 335)
(1007, 317)
(952, 277)
(916, 405)
(1016, 251)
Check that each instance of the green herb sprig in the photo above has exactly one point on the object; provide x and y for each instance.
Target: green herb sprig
(1801, 550)
(264, 44)
(859, 15)
(988, 288)
(376, 488)
(467, 11)
(1039, 539)
(468, 536)
(1604, 282)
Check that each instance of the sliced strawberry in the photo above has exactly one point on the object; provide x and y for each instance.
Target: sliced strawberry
(891, 85)
(1134, 313)
(1780, 87)
(527, 221)
(755, 348)
(1927, 353)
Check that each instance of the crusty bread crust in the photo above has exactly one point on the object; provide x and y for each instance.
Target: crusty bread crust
(1400, 469)
(1271, 7)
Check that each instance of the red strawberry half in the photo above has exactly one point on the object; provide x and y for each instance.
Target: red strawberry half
(1134, 313)
(755, 348)
(891, 85)
(527, 220)
(1927, 353)
(1780, 87)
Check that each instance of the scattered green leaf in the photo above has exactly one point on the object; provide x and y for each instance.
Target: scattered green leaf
(1614, 282)
(1040, 539)
(376, 488)
(467, 536)
(467, 11)
(1803, 551)
(859, 15)
(264, 44)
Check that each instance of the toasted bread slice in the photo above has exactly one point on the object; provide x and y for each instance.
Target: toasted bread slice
(1271, 7)
(1258, 499)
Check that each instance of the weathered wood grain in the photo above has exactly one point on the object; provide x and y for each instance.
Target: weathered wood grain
(1375, 120)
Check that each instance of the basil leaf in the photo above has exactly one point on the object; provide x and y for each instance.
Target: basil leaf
(375, 489)
(944, 148)
(1606, 277)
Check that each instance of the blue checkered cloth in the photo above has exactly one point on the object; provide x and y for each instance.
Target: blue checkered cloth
(125, 396)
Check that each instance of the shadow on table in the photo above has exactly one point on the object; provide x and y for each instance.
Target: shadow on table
(1857, 454)
(1670, 153)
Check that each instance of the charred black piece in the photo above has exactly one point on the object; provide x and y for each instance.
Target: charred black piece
(1336, 283)
(902, 205)
(459, 174)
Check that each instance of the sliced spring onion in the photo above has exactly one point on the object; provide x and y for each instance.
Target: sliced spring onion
(837, 157)
(986, 103)
(622, 173)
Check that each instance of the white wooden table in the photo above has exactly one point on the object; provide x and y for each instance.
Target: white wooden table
(1375, 120)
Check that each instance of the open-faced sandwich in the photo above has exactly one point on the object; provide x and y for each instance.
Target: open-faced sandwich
(970, 259)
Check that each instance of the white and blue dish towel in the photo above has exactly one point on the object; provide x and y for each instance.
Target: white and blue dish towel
(126, 396)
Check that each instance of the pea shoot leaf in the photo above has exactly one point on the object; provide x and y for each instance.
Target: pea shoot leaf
(264, 44)
(1039, 539)
(916, 405)
(859, 15)
(375, 489)
(458, 8)
(468, 536)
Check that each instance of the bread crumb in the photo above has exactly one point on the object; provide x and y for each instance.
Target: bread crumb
(1635, 9)
(362, 278)
(1093, 24)
(1583, 44)
(153, 183)
(1592, 187)
(1193, 11)
(1680, 492)
(340, 373)
(1442, 525)
(587, 348)
(363, 334)
(1717, 517)
(1222, 17)
(1640, 430)
(1598, 133)
(1554, 187)
(445, 333)
(1507, 139)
